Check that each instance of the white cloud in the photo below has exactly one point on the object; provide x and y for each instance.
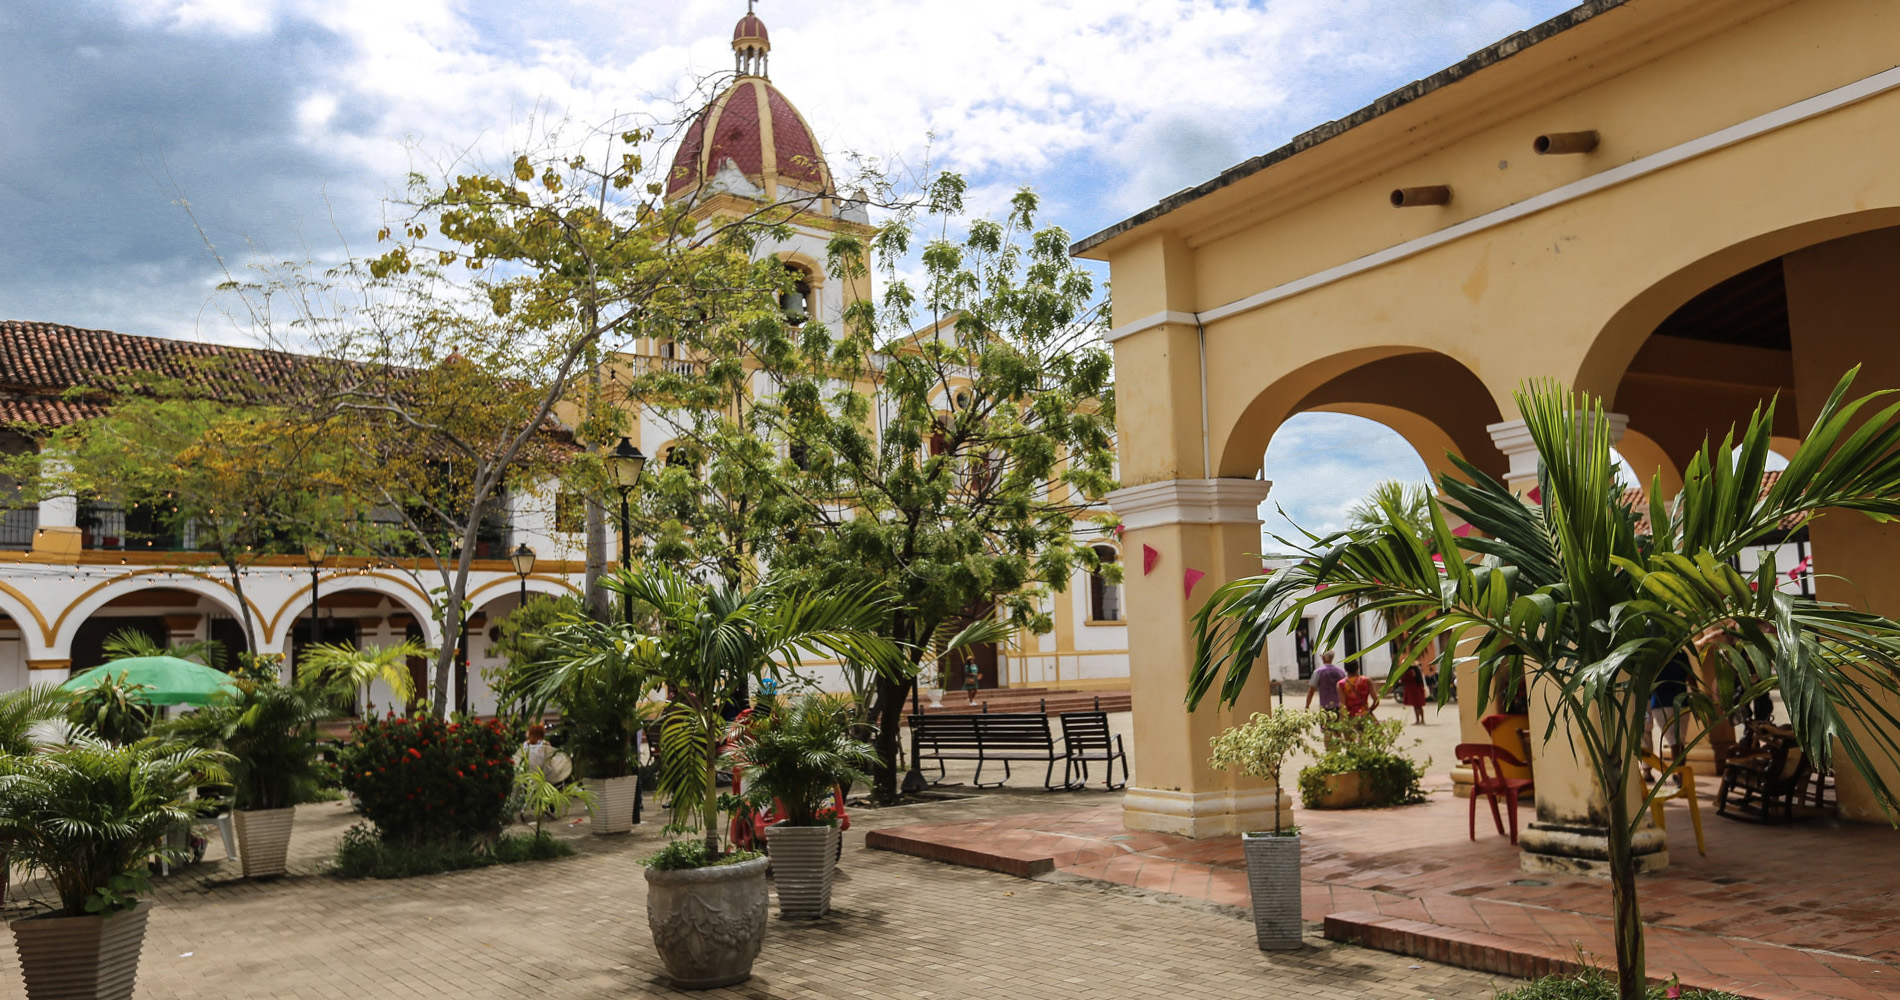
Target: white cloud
(1321, 464)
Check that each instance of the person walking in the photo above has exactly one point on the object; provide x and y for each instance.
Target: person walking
(1356, 694)
(1412, 692)
(1326, 684)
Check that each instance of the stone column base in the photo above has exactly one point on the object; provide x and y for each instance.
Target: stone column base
(1204, 814)
(1585, 850)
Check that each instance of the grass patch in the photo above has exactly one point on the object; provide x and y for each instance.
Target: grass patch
(362, 854)
(1595, 984)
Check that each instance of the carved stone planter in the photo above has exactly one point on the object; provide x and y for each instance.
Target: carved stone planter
(708, 923)
(263, 837)
(613, 803)
(81, 958)
(804, 861)
(1273, 880)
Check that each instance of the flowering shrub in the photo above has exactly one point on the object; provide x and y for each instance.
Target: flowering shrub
(428, 780)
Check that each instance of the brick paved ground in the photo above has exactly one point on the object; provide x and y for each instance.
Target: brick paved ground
(1811, 909)
(575, 928)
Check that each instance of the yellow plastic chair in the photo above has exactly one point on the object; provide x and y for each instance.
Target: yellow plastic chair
(1687, 791)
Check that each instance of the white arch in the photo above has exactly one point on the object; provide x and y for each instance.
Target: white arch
(401, 592)
(77, 613)
(502, 588)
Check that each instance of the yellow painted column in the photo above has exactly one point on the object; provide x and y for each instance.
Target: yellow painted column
(1568, 834)
(1209, 525)
(1842, 300)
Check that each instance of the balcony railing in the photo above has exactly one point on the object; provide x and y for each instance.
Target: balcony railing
(647, 364)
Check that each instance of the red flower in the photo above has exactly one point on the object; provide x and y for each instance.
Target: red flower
(414, 753)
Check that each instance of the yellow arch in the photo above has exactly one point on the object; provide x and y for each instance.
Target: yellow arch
(505, 582)
(256, 612)
(270, 629)
(39, 618)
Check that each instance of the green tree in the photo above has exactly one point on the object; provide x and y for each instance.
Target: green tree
(953, 439)
(195, 462)
(1565, 596)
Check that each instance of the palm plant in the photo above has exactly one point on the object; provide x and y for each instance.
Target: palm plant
(89, 813)
(339, 671)
(797, 753)
(1564, 595)
(128, 643)
(704, 642)
(22, 712)
(267, 731)
(1394, 505)
(115, 709)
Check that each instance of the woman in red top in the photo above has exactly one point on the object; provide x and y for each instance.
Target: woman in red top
(1412, 692)
(1357, 696)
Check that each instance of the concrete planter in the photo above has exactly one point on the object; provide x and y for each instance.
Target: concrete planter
(81, 958)
(1273, 880)
(708, 923)
(804, 862)
(935, 695)
(263, 837)
(613, 803)
(1341, 791)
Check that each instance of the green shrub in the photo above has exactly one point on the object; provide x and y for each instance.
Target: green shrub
(1369, 746)
(681, 855)
(1595, 984)
(363, 854)
(429, 781)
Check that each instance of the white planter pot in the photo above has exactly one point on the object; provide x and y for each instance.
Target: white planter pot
(804, 864)
(263, 837)
(81, 958)
(708, 923)
(613, 803)
(1273, 880)
(935, 695)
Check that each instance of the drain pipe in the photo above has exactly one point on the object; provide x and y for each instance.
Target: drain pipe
(1207, 453)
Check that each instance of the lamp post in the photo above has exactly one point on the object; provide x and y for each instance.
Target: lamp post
(624, 465)
(523, 558)
(315, 553)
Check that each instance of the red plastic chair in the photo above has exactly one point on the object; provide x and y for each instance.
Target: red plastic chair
(1491, 785)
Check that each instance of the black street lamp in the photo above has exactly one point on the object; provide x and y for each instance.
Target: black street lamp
(624, 465)
(316, 554)
(523, 558)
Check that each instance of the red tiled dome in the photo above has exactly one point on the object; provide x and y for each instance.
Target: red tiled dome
(732, 128)
(750, 26)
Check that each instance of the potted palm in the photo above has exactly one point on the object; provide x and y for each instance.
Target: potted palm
(1562, 590)
(339, 672)
(599, 690)
(267, 730)
(1259, 749)
(796, 756)
(705, 642)
(86, 814)
(22, 713)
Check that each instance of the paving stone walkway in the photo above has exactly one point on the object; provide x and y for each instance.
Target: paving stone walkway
(1774, 912)
(575, 928)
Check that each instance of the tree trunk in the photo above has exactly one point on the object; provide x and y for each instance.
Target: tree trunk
(709, 810)
(891, 697)
(244, 606)
(1632, 974)
(597, 603)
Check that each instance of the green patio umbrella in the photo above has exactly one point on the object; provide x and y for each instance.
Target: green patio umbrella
(172, 681)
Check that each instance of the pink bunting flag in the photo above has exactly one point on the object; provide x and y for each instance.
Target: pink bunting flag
(1536, 495)
(1148, 559)
(1462, 531)
(1188, 579)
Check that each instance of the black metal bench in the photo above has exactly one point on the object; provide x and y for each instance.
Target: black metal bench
(1086, 737)
(995, 738)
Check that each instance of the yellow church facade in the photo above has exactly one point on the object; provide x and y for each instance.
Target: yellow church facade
(1683, 208)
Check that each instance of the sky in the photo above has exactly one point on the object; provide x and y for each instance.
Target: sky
(149, 145)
